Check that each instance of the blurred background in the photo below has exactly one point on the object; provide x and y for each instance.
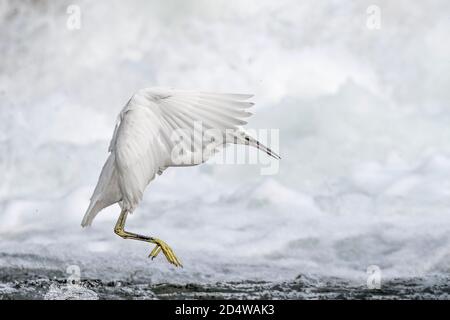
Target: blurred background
(364, 128)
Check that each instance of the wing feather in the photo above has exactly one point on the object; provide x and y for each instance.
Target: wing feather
(142, 142)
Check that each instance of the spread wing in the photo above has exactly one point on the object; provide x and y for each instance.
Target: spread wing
(159, 128)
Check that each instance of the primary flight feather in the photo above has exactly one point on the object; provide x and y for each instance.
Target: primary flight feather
(143, 145)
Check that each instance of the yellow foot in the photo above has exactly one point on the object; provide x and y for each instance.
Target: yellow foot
(162, 246)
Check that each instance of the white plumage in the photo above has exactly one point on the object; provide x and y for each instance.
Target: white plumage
(142, 142)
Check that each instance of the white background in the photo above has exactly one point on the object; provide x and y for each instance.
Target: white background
(364, 137)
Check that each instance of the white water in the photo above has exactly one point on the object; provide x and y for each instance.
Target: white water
(364, 137)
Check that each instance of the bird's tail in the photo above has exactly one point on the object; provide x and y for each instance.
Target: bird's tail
(106, 192)
(91, 212)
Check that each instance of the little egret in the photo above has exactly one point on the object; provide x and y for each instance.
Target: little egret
(143, 145)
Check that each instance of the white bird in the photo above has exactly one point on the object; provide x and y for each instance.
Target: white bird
(143, 146)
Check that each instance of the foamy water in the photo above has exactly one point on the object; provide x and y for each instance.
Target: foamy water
(363, 118)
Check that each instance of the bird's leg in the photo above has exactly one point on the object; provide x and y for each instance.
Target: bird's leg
(119, 229)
